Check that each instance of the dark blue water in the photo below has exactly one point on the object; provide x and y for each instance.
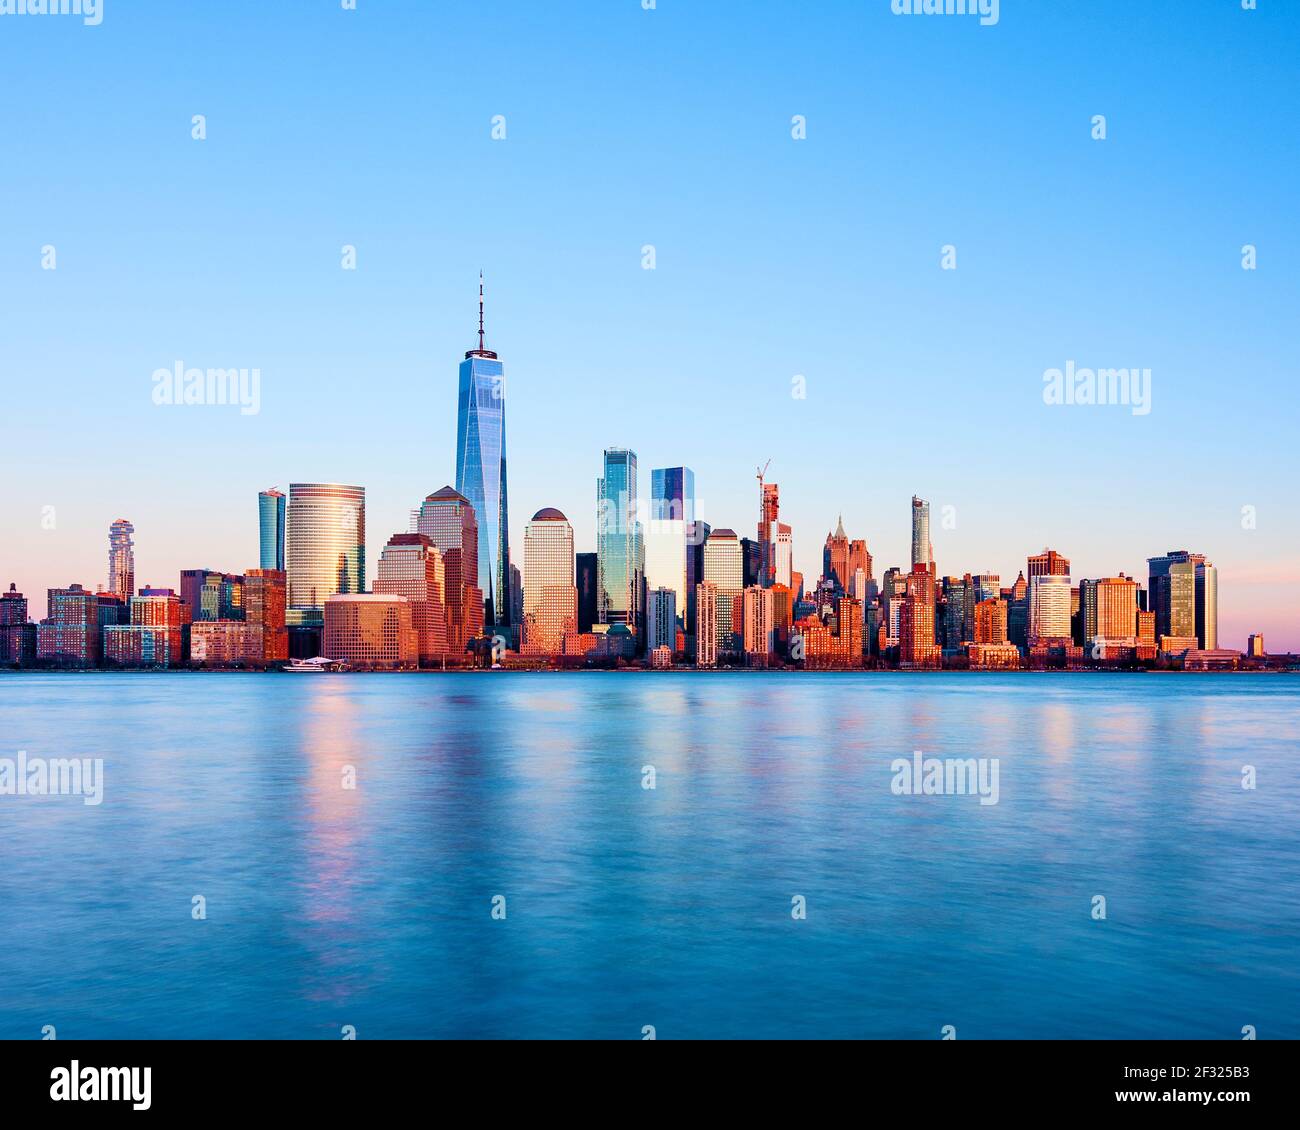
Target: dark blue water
(671, 907)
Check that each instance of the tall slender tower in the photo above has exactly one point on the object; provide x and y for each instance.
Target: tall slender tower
(270, 529)
(121, 559)
(481, 469)
(619, 549)
(922, 547)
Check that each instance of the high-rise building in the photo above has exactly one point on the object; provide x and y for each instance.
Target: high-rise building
(411, 566)
(706, 624)
(447, 518)
(586, 581)
(661, 619)
(371, 630)
(922, 547)
(550, 594)
(265, 604)
(121, 559)
(916, 642)
(1108, 609)
(758, 624)
(991, 621)
(783, 548)
(481, 469)
(1049, 608)
(1048, 563)
(751, 556)
(724, 568)
(1183, 592)
(769, 507)
(842, 558)
(1255, 645)
(667, 532)
(155, 635)
(70, 634)
(17, 636)
(210, 595)
(327, 542)
(619, 550)
(270, 529)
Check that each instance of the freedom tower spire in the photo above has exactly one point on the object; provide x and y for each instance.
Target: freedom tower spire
(481, 469)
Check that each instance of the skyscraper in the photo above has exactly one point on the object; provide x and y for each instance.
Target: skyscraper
(265, 600)
(1049, 608)
(724, 568)
(661, 619)
(619, 550)
(121, 559)
(586, 583)
(411, 566)
(922, 547)
(270, 529)
(481, 469)
(916, 646)
(550, 595)
(1184, 595)
(672, 514)
(769, 508)
(448, 520)
(706, 630)
(1048, 563)
(327, 542)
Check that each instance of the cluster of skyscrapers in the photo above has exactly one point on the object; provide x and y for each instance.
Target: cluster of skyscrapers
(662, 588)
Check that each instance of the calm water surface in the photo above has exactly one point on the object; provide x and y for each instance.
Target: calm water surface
(669, 907)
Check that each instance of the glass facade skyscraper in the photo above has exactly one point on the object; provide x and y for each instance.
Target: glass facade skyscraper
(481, 470)
(327, 542)
(672, 514)
(270, 529)
(618, 540)
(922, 549)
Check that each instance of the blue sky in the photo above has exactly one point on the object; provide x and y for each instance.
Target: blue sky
(774, 257)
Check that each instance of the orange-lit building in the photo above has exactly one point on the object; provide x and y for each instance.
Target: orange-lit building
(991, 621)
(411, 566)
(265, 601)
(371, 630)
(916, 643)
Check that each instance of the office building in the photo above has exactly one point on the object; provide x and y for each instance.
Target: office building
(326, 542)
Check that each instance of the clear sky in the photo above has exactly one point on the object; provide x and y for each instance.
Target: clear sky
(775, 257)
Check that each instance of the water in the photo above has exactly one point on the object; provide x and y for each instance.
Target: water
(670, 907)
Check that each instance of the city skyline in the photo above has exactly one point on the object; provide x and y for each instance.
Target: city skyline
(774, 258)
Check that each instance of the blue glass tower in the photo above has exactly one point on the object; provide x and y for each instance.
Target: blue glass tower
(270, 529)
(481, 469)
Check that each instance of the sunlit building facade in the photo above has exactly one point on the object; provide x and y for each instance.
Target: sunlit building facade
(550, 591)
(1049, 608)
(371, 631)
(724, 568)
(481, 470)
(447, 518)
(121, 559)
(706, 630)
(411, 566)
(326, 542)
